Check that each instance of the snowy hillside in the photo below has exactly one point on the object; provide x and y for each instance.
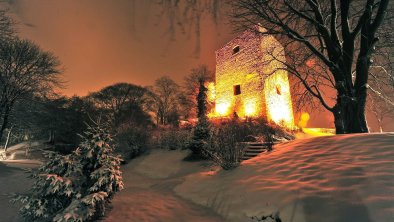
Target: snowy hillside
(328, 179)
(342, 178)
(338, 178)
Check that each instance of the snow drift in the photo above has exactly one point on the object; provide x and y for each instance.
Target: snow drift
(328, 179)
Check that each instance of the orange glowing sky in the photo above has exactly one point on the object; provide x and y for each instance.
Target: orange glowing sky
(101, 42)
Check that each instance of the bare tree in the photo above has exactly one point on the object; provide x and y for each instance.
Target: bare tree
(24, 69)
(328, 44)
(7, 31)
(119, 97)
(186, 16)
(381, 87)
(380, 109)
(164, 99)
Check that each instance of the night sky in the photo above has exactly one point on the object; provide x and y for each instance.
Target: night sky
(101, 42)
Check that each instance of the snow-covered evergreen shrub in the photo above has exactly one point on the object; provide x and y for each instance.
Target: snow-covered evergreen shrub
(75, 187)
(54, 187)
(201, 134)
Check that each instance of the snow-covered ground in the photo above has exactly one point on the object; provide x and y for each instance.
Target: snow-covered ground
(23, 155)
(334, 179)
(325, 179)
(148, 195)
(13, 178)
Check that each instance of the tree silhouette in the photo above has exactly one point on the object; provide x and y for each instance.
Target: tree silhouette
(24, 70)
(328, 44)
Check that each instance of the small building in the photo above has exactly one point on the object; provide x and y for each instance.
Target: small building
(249, 79)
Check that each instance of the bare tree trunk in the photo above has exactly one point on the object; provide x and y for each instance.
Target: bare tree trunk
(5, 122)
(380, 125)
(51, 139)
(360, 85)
(8, 139)
(348, 118)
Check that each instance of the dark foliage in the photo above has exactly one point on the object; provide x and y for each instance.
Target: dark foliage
(201, 131)
(172, 138)
(132, 141)
(274, 217)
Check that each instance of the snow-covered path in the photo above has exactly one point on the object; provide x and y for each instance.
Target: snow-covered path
(13, 180)
(148, 195)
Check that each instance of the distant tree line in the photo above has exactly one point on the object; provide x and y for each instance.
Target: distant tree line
(31, 110)
(59, 119)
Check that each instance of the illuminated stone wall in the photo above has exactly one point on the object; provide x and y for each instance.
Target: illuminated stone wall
(248, 61)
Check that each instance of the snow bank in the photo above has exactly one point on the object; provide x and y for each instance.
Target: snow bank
(336, 178)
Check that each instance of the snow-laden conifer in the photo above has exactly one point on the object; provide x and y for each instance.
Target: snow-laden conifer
(78, 186)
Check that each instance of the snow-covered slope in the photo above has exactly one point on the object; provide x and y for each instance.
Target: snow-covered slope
(148, 195)
(23, 155)
(327, 179)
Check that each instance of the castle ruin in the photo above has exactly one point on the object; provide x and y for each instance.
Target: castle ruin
(250, 81)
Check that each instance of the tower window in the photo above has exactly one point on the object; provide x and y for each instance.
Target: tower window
(237, 90)
(236, 49)
(278, 91)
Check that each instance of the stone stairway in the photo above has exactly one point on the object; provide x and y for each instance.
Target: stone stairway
(253, 149)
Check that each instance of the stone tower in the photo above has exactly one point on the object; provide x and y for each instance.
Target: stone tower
(249, 81)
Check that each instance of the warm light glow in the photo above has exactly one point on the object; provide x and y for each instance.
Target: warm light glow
(303, 120)
(251, 76)
(211, 114)
(247, 84)
(319, 131)
(279, 106)
(211, 91)
(250, 108)
(222, 109)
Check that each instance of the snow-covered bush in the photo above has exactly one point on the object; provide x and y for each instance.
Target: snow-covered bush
(132, 141)
(225, 143)
(75, 187)
(255, 130)
(223, 146)
(172, 139)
